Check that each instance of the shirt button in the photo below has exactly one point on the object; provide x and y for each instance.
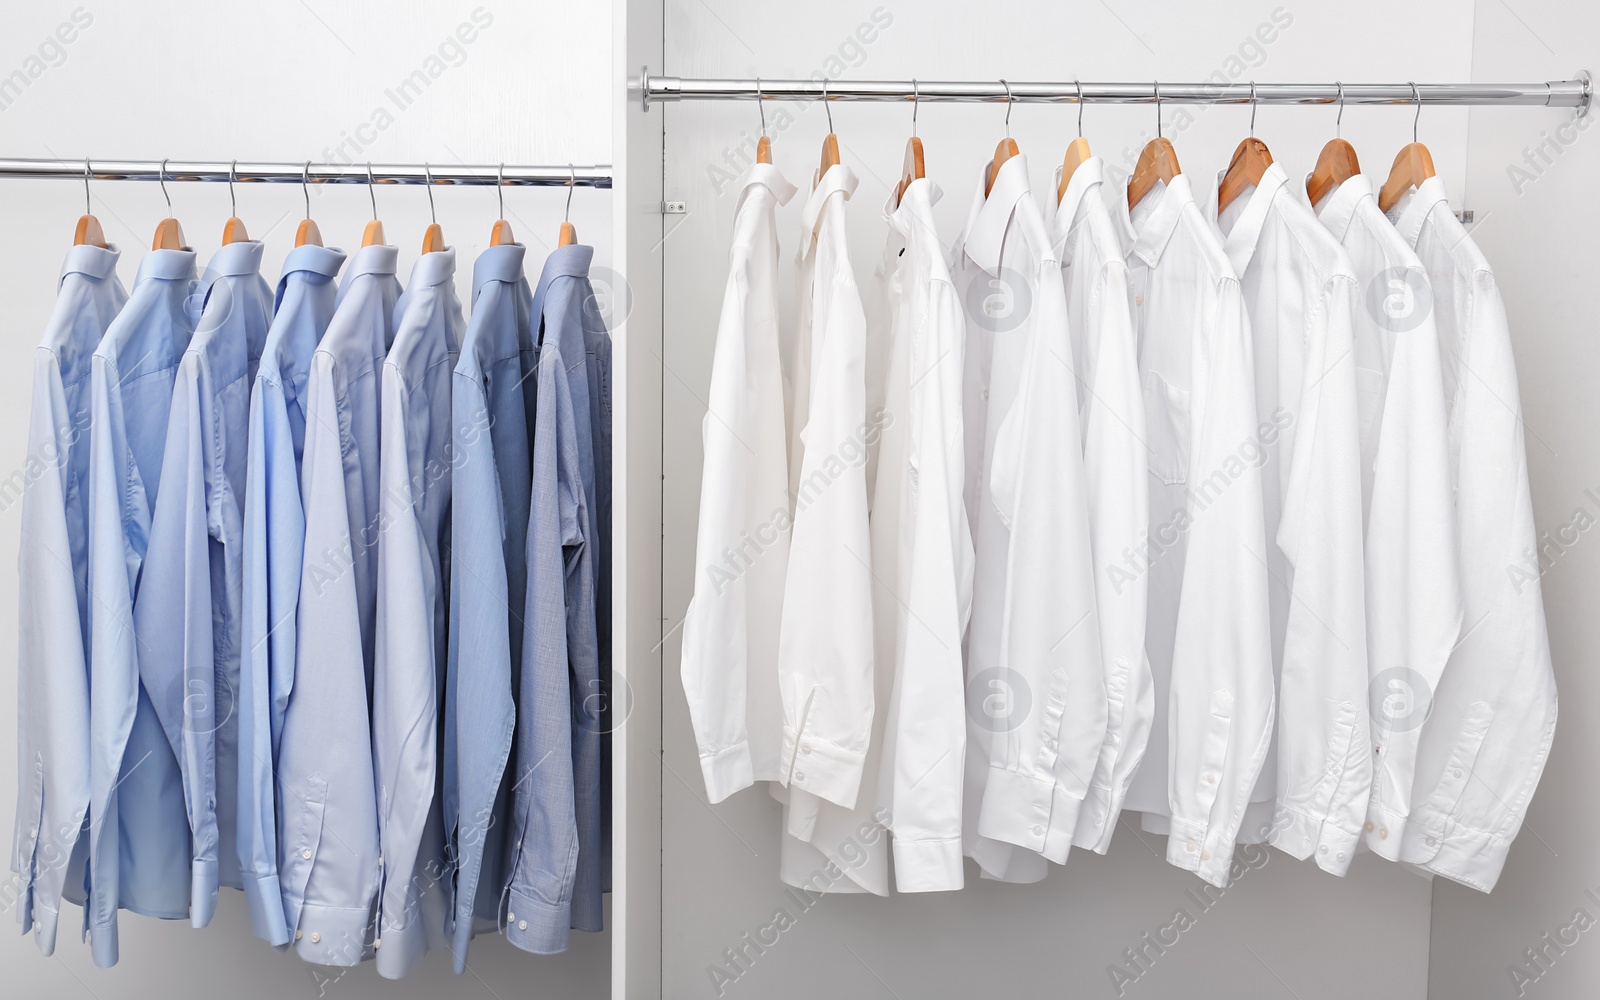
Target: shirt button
(298, 935)
(1429, 841)
(1340, 855)
(986, 394)
(306, 854)
(510, 915)
(1369, 826)
(1138, 300)
(799, 776)
(1383, 833)
(522, 925)
(377, 943)
(1050, 744)
(1038, 831)
(1211, 777)
(1192, 846)
(1458, 772)
(1323, 849)
(315, 937)
(1205, 855)
(805, 748)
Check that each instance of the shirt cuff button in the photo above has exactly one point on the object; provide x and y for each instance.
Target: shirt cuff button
(522, 925)
(315, 937)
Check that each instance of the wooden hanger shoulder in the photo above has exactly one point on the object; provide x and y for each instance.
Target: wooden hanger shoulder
(1336, 164)
(1157, 162)
(1412, 165)
(1077, 152)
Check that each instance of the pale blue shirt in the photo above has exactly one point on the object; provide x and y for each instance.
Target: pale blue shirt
(328, 818)
(412, 619)
(52, 570)
(274, 540)
(139, 855)
(188, 608)
(488, 578)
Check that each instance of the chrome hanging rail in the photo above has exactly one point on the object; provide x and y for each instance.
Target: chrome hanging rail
(1574, 93)
(561, 175)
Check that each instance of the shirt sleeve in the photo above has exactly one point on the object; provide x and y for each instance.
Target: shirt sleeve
(274, 529)
(926, 729)
(1043, 753)
(1485, 743)
(53, 679)
(1220, 711)
(1119, 514)
(825, 645)
(172, 616)
(1324, 764)
(328, 836)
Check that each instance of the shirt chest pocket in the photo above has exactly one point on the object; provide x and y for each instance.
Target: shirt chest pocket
(1166, 414)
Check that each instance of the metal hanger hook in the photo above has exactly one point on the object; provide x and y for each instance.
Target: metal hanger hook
(427, 175)
(371, 193)
(1252, 107)
(162, 177)
(1008, 107)
(567, 216)
(500, 189)
(1158, 108)
(88, 206)
(233, 203)
(1338, 122)
(826, 106)
(305, 179)
(761, 105)
(1416, 96)
(1079, 85)
(913, 107)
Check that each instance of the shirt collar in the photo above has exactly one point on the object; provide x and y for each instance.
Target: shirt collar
(766, 175)
(502, 263)
(914, 210)
(1415, 207)
(379, 258)
(569, 261)
(1149, 240)
(230, 261)
(1085, 181)
(1240, 241)
(839, 179)
(433, 268)
(1339, 206)
(990, 216)
(96, 262)
(167, 265)
(325, 261)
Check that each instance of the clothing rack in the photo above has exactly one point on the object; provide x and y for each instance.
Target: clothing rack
(514, 175)
(1574, 93)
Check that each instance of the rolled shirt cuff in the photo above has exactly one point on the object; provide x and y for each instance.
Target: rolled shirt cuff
(1191, 848)
(332, 935)
(727, 771)
(1302, 836)
(265, 898)
(202, 892)
(822, 768)
(535, 925)
(927, 865)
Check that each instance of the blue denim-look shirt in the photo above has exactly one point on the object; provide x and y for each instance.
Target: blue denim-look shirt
(412, 616)
(188, 608)
(597, 340)
(328, 816)
(488, 579)
(52, 568)
(555, 871)
(274, 540)
(139, 855)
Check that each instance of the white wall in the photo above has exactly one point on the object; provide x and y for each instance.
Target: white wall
(1287, 929)
(283, 82)
(1537, 224)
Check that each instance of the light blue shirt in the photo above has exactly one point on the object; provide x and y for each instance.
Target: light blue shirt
(328, 816)
(412, 618)
(188, 608)
(555, 870)
(52, 567)
(139, 855)
(488, 577)
(274, 540)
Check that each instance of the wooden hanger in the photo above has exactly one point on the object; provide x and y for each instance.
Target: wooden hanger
(308, 231)
(433, 236)
(1077, 152)
(233, 230)
(1251, 158)
(501, 234)
(763, 145)
(88, 232)
(373, 234)
(1157, 162)
(1006, 149)
(1336, 163)
(169, 235)
(830, 142)
(1412, 166)
(568, 234)
(912, 168)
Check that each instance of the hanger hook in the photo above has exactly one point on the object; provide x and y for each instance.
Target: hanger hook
(233, 203)
(1416, 96)
(1338, 122)
(913, 107)
(567, 217)
(826, 106)
(371, 193)
(1079, 85)
(88, 206)
(1008, 107)
(1252, 107)
(427, 174)
(305, 177)
(1158, 109)
(162, 177)
(500, 189)
(761, 105)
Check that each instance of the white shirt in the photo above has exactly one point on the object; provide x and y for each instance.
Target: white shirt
(730, 632)
(921, 547)
(1493, 717)
(825, 661)
(1413, 594)
(1300, 294)
(1208, 633)
(1111, 408)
